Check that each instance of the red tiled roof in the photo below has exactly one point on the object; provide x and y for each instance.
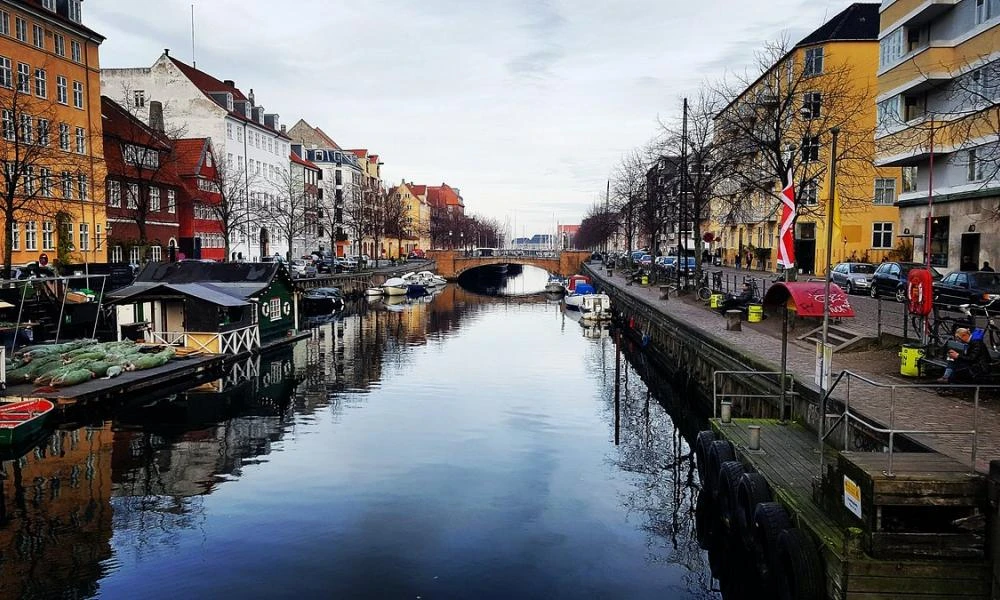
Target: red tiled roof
(189, 155)
(362, 153)
(295, 158)
(374, 158)
(417, 190)
(208, 84)
(37, 5)
(443, 195)
(119, 126)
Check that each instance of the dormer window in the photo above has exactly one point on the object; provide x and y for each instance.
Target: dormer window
(75, 14)
(229, 102)
(49, 5)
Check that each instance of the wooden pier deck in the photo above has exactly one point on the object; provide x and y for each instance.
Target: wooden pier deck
(189, 371)
(789, 459)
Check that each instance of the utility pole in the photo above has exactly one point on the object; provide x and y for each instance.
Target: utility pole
(830, 207)
(681, 258)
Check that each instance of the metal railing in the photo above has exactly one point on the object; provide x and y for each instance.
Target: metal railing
(719, 396)
(848, 416)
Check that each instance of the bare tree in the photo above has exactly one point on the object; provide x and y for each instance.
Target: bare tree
(228, 200)
(628, 193)
(28, 155)
(398, 221)
(286, 213)
(779, 116)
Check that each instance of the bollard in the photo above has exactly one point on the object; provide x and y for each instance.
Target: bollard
(754, 437)
(734, 320)
(664, 292)
(726, 412)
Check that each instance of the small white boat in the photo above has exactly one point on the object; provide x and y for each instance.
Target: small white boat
(555, 286)
(396, 286)
(429, 279)
(591, 305)
(374, 292)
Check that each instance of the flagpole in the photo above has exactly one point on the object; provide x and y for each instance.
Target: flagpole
(829, 252)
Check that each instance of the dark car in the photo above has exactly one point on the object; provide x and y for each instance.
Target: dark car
(853, 277)
(890, 279)
(965, 287)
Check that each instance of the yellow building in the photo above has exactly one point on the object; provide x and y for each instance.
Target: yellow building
(939, 119)
(782, 122)
(50, 104)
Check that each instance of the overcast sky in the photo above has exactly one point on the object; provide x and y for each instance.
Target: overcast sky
(525, 105)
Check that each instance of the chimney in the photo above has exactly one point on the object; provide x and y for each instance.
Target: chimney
(156, 115)
(229, 82)
(251, 97)
(283, 129)
(166, 52)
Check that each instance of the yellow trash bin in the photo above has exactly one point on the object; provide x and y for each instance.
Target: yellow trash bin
(716, 300)
(909, 363)
(755, 313)
(645, 280)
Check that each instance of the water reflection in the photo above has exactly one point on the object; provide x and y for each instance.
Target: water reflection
(505, 280)
(467, 446)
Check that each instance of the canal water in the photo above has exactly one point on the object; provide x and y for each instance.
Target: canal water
(465, 445)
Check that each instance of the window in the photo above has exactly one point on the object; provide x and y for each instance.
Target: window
(885, 190)
(38, 36)
(76, 51)
(61, 97)
(139, 98)
(64, 137)
(43, 132)
(116, 254)
(114, 194)
(890, 49)
(4, 22)
(49, 4)
(15, 233)
(811, 102)
(141, 156)
(810, 193)
(21, 29)
(67, 185)
(45, 177)
(97, 236)
(31, 235)
(27, 131)
(982, 11)
(909, 181)
(274, 309)
(810, 148)
(881, 235)
(229, 130)
(75, 14)
(132, 196)
(48, 243)
(41, 85)
(171, 201)
(85, 236)
(66, 233)
(155, 253)
(59, 45)
(982, 87)
(154, 199)
(81, 141)
(133, 255)
(7, 119)
(23, 78)
(81, 186)
(239, 134)
(976, 166)
(6, 75)
(940, 227)
(814, 61)
(78, 94)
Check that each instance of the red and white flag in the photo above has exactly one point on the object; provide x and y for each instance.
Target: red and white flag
(786, 237)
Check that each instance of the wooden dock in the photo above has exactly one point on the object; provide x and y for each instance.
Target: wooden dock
(871, 558)
(189, 371)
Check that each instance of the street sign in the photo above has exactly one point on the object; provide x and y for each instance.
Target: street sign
(824, 363)
(852, 496)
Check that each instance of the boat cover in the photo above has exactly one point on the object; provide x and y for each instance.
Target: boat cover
(584, 288)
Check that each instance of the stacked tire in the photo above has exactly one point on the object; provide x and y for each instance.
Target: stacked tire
(752, 543)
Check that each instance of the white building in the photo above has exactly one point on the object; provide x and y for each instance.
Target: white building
(249, 143)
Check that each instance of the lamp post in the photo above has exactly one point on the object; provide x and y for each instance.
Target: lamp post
(829, 249)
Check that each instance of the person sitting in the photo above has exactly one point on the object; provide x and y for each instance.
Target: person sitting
(967, 357)
(739, 301)
(986, 266)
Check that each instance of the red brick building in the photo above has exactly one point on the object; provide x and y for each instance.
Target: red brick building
(200, 230)
(142, 188)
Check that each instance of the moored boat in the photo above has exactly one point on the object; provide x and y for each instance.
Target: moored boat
(555, 285)
(19, 420)
(374, 292)
(323, 299)
(395, 286)
(591, 305)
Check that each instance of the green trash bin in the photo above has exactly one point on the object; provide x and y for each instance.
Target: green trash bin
(909, 360)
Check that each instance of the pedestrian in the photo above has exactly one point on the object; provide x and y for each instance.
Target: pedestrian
(749, 260)
(739, 259)
(986, 266)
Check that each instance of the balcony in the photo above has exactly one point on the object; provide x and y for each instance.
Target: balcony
(918, 71)
(912, 13)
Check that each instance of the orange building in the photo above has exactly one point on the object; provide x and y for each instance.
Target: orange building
(50, 104)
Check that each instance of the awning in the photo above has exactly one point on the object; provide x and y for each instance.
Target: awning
(807, 297)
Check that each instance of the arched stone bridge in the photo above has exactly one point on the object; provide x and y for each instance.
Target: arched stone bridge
(452, 263)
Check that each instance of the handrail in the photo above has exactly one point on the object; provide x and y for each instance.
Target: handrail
(848, 415)
(716, 395)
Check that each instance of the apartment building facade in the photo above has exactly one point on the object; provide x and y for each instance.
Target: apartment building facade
(251, 148)
(50, 121)
(939, 120)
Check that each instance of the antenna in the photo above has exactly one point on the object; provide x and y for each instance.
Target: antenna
(194, 63)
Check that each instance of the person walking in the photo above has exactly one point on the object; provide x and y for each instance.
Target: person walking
(739, 259)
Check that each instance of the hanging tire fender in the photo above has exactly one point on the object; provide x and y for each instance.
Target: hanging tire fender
(719, 451)
(729, 473)
(751, 489)
(701, 443)
(800, 569)
(770, 519)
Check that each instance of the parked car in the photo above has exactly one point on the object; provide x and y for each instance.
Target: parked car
(890, 279)
(853, 277)
(645, 260)
(348, 262)
(300, 267)
(967, 287)
(687, 266)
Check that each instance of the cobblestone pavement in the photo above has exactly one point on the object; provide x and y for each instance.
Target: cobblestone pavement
(915, 408)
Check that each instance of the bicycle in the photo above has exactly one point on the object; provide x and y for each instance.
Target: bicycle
(704, 291)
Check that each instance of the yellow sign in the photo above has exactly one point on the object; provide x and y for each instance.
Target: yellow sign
(852, 496)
